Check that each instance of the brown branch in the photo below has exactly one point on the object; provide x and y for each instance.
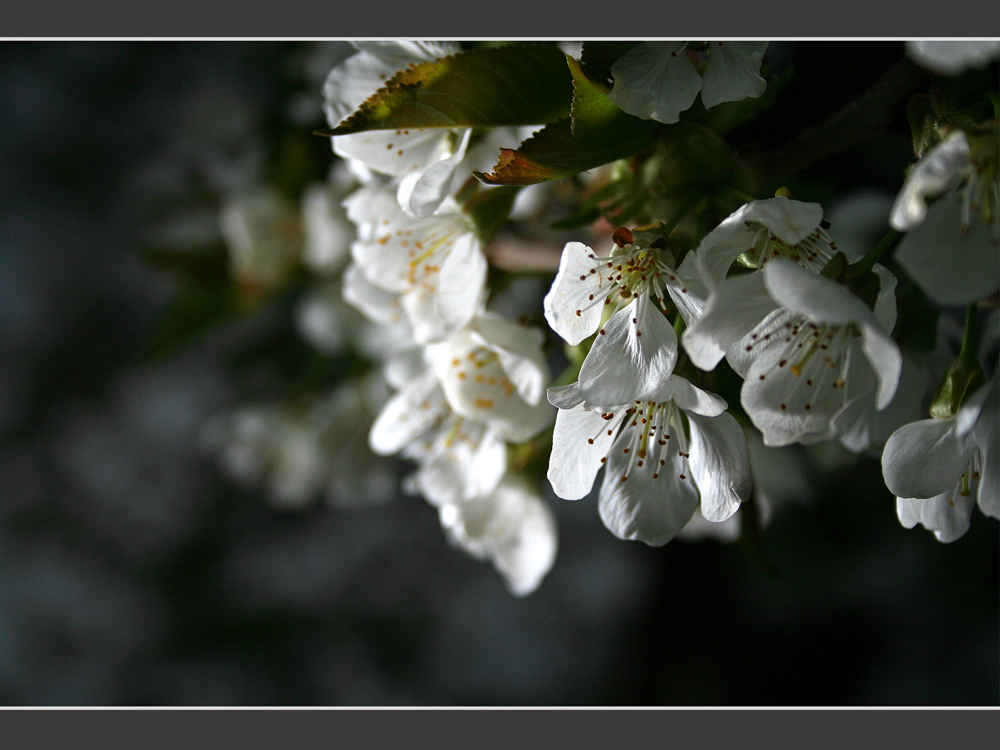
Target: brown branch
(869, 115)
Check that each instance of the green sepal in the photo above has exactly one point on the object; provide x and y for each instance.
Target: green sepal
(963, 378)
(517, 84)
(922, 118)
(488, 207)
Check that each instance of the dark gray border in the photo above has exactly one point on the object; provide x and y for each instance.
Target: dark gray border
(510, 18)
(783, 728)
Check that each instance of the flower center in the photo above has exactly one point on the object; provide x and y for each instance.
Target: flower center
(648, 434)
(813, 252)
(630, 272)
(817, 354)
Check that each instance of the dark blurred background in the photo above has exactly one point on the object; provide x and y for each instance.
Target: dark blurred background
(133, 572)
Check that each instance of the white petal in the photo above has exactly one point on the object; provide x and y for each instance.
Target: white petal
(377, 304)
(791, 221)
(939, 170)
(987, 437)
(471, 462)
(395, 152)
(462, 282)
(732, 313)
(953, 57)
(655, 81)
(481, 391)
(525, 557)
(720, 462)
(952, 267)
(519, 350)
(565, 396)
(573, 291)
(689, 397)
(406, 416)
(642, 508)
(742, 354)
(421, 193)
(923, 459)
(886, 359)
(691, 293)
(510, 526)
(948, 515)
(575, 461)
(776, 400)
(818, 298)
(733, 72)
(718, 250)
(408, 366)
(885, 304)
(373, 204)
(629, 359)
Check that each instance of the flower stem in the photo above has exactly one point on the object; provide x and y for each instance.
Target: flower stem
(870, 114)
(872, 256)
(969, 335)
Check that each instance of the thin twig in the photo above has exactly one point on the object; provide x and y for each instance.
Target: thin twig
(869, 115)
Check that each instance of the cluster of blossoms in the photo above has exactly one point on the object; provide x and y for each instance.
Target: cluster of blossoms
(805, 328)
(468, 381)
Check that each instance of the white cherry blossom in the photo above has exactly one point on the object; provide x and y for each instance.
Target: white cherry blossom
(494, 372)
(663, 457)
(511, 527)
(425, 158)
(939, 469)
(814, 358)
(659, 80)
(636, 348)
(435, 265)
(763, 230)
(458, 458)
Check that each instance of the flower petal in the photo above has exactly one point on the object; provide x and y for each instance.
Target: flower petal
(689, 397)
(575, 460)
(953, 57)
(791, 221)
(951, 266)
(733, 72)
(421, 193)
(634, 354)
(948, 515)
(924, 459)
(655, 81)
(940, 169)
(569, 306)
(731, 314)
(642, 508)
(720, 463)
(519, 350)
(818, 298)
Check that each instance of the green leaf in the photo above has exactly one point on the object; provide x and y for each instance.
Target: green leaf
(517, 84)
(591, 109)
(597, 133)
